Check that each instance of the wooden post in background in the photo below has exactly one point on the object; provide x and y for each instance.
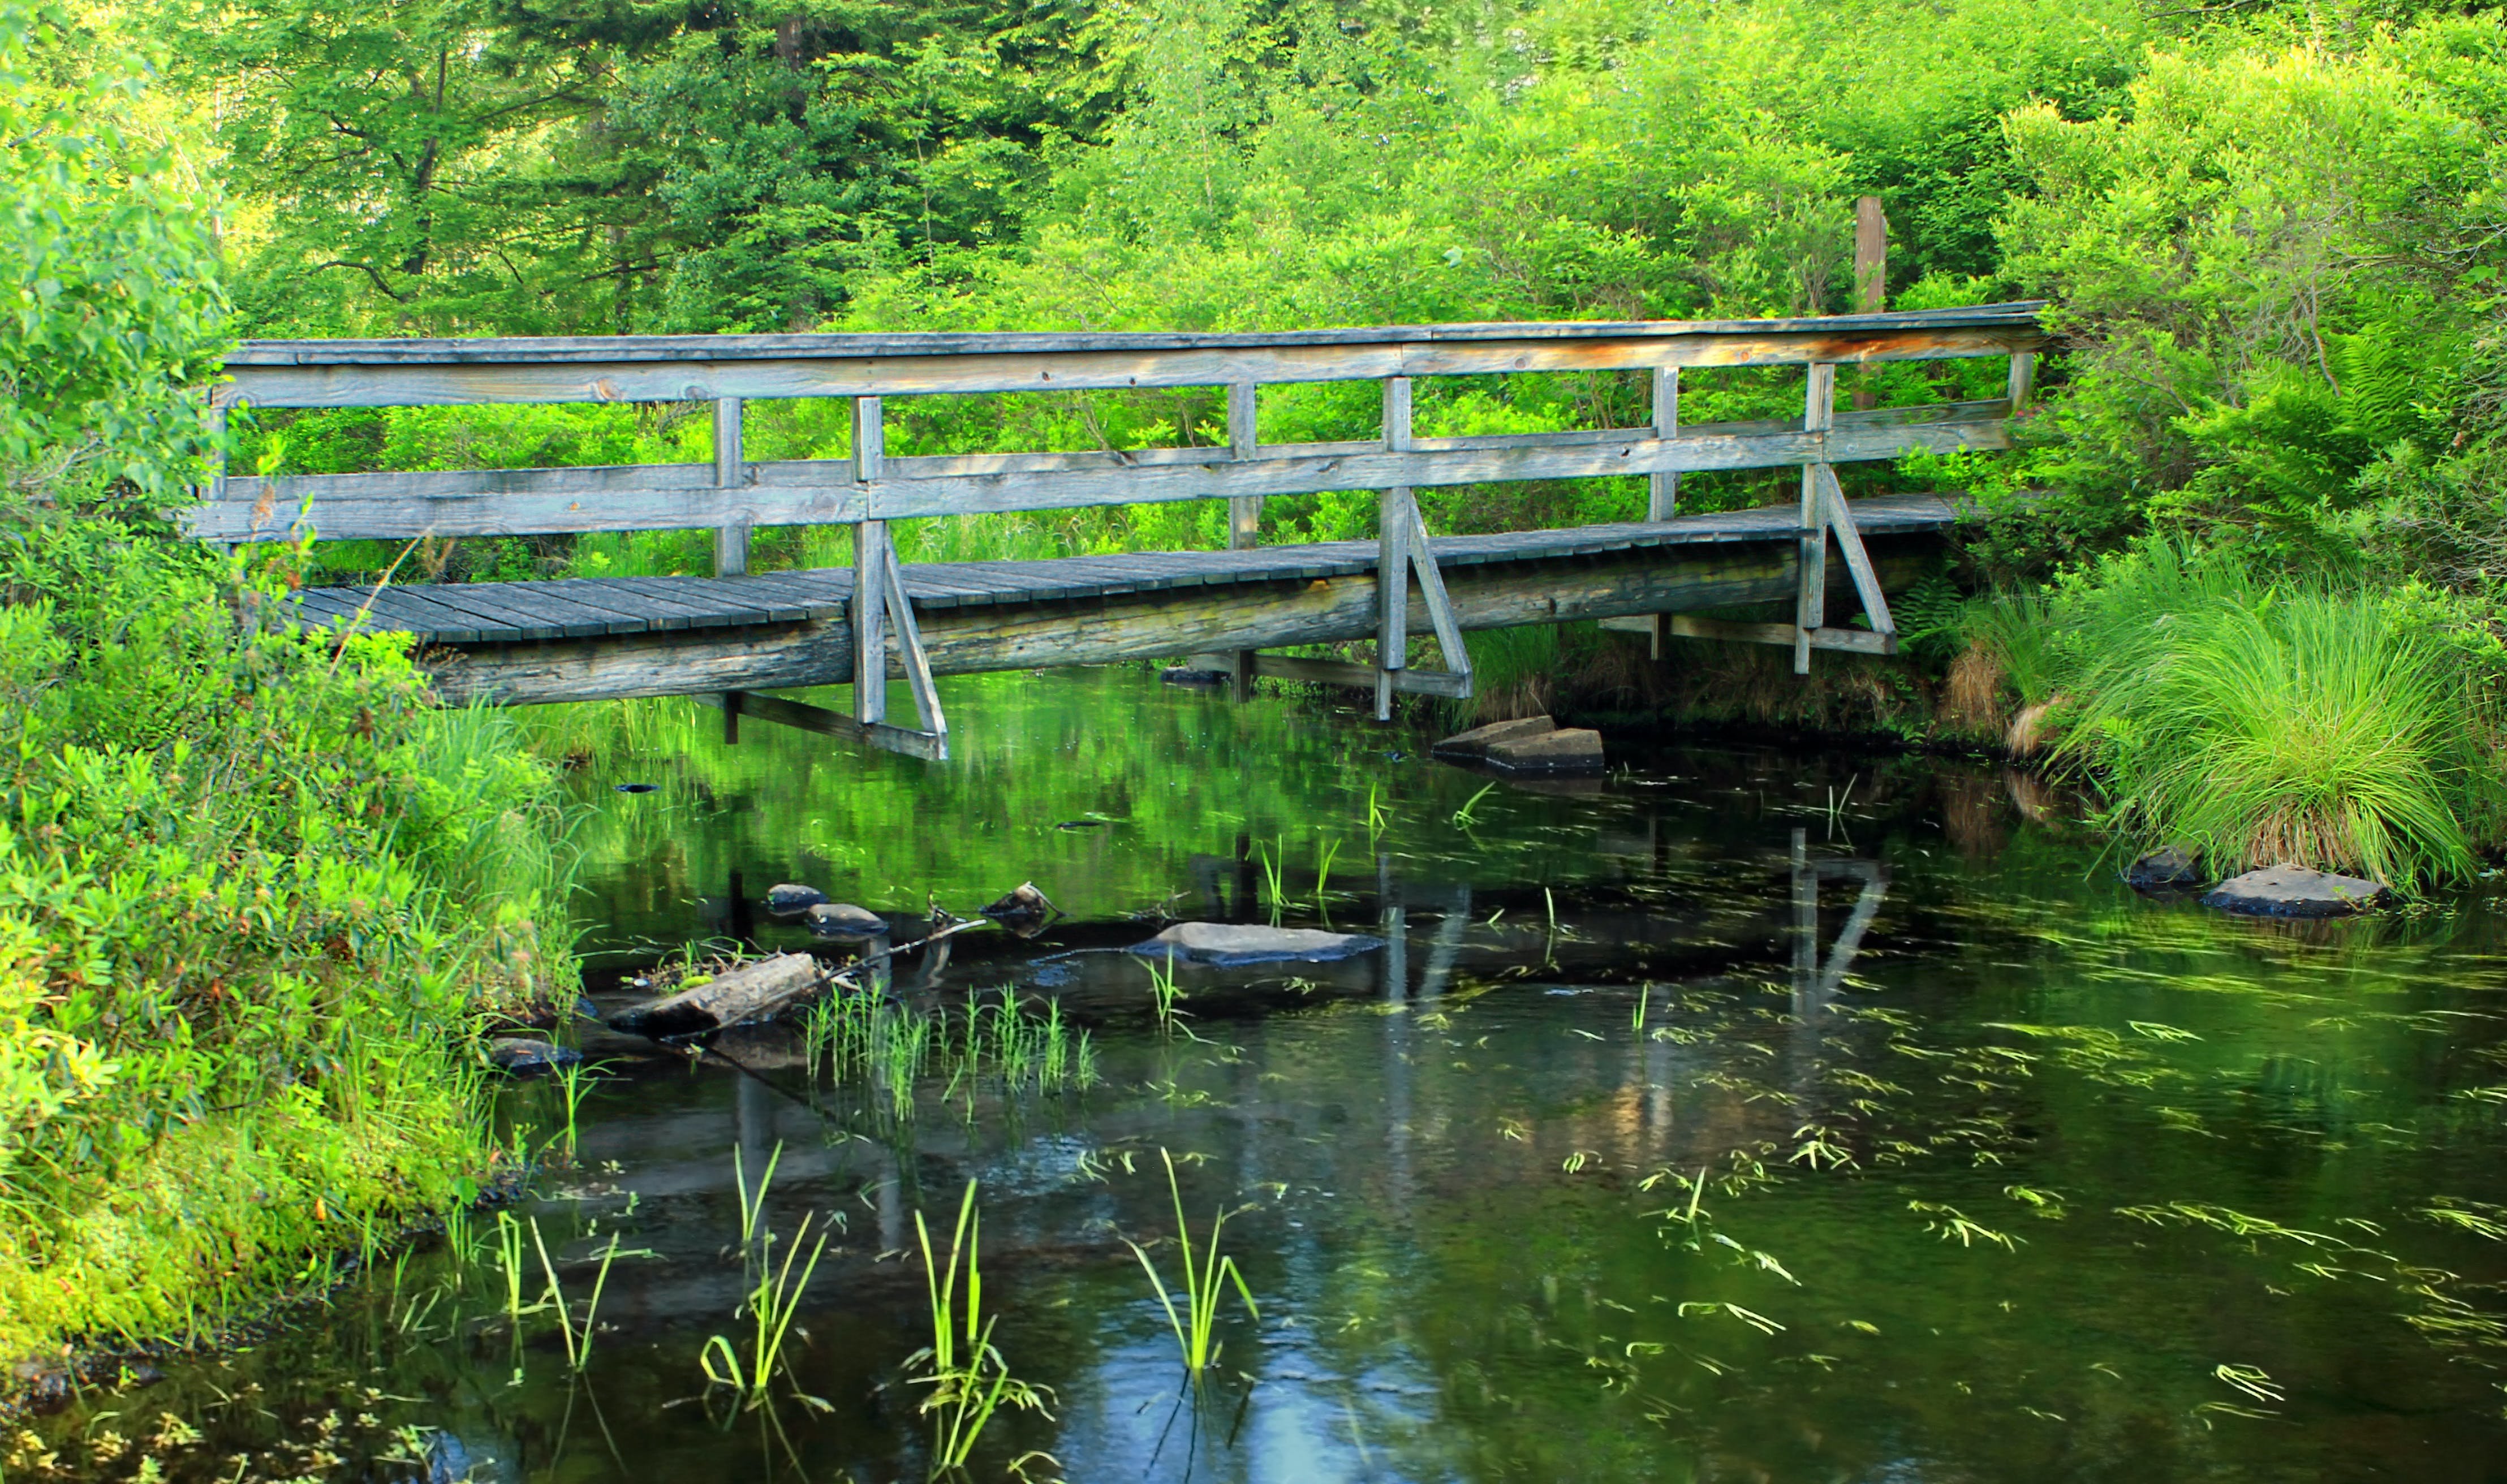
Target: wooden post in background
(1870, 282)
(730, 541)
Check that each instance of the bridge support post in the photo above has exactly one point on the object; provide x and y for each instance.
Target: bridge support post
(1243, 514)
(880, 599)
(1811, 602)
(1662, 495)
(1402, 549)
(730, 473)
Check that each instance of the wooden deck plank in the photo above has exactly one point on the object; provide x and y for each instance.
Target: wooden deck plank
(586, 607)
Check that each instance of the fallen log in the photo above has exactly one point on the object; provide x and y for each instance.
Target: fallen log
(756, 991)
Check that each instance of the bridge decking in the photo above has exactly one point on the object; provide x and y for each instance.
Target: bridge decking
(606, 607)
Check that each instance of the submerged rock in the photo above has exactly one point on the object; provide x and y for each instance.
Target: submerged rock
(1023, 911)
(844, 919)
(1227, 943)
(522, 1056)
(2169, 868)
(2294, 892)
(787, 900)
(1572, 750)
(1476, 741)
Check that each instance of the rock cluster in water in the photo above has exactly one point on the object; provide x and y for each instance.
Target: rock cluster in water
(1229, 944)
(1528, 745)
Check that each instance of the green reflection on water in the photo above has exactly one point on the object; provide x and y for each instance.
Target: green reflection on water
(1607, 1175)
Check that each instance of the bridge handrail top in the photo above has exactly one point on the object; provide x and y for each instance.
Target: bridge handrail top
(739, 347)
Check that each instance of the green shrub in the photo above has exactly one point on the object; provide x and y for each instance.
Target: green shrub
(2265, 722)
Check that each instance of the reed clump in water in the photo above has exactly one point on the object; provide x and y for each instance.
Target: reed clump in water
(2259, 722)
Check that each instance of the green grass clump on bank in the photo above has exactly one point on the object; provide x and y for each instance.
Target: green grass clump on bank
(2264, 722)
(252, 892)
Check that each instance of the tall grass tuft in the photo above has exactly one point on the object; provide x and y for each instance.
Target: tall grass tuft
(969, 1380)
(2310, 728)
(1205, 1282)
(2262, 723)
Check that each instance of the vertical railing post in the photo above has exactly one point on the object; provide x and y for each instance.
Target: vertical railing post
(1810, 608)
(1662, 493)
(1243, 514)
(217, 491)
(730, 474)
(2023, 380)
(1394, 522)
(871, 556)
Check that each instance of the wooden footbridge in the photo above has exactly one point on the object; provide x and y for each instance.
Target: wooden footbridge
(736, 634)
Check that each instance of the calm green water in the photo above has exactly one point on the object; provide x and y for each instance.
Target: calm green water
(1998, 1172)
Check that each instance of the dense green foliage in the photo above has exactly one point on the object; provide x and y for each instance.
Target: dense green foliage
(252, 888)
(248, 883)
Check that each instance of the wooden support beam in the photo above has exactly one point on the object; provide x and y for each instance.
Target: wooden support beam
(730, 476)
(2022, 382)
(1838, 517)
(1244, 511)
(1810, 605)
(818, 719)
(871, 556)
(1144, 625)
(1662, 493)
(1394, 517)
(1409, 682)
(1688, 626)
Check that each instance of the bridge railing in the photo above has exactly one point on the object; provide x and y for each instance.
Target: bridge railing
(735, 494)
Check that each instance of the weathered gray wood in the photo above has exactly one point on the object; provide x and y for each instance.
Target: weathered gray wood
(1153, 625)
(729, 540)
(811, 718)
(1394, 518)
(1856, 640)
(872, 554)
(1839, 520)
(1414, 682)
(2022, 382)
(603, 349)
(1439, 604)
(1245, 512)
(445, 383)
(1819, 411)
(1663, 495)
(758, 991)
(918, 666)
(828, 491)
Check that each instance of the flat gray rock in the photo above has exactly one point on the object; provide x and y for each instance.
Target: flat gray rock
(1227, 943)
(844, 919)
(1573, 750)
(2169, 868)
(787, 900)
(521, 1055)
(2294, 892)
(1476, 741)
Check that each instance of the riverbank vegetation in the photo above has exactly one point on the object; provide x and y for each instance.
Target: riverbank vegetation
(2244, 574)
(253, 892)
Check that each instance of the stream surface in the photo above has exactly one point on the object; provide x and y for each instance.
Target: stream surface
(1742, 1115)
